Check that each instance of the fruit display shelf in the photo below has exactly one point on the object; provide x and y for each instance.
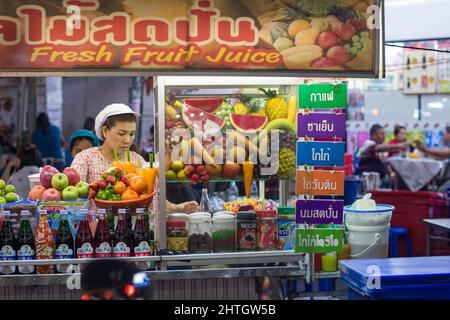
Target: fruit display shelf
(133, 204)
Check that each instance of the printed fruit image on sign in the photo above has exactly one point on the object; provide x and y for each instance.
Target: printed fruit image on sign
(248, 123)
(166, 35)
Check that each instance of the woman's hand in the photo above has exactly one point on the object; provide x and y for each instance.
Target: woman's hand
(420, 145)
(14, 162)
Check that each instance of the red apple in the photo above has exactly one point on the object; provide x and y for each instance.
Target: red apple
(72, 175)
(124, 179)
(345, 31)
(327, 39)
(51, 195)
(46, 176)
(338, 54)
(201, 170)
(189, 171)
(36, 193)
(323, 62)
(110, 179)
(101, 185)
(92, 194)
(93, 186)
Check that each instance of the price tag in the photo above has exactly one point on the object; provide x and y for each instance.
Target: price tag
(320, 154)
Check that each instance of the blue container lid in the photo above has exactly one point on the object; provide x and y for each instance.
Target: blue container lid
(400, 278)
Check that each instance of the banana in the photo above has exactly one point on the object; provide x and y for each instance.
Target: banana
(281, 124)
(300, 56)
(292, 109)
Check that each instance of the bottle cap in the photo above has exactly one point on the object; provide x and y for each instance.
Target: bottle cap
(140, 210)
(25, 213)
(101, 211)
(6, 214)
(41, 212)
(122, 211)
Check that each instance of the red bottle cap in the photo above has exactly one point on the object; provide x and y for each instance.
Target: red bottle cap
(266, 213)
(176, 224)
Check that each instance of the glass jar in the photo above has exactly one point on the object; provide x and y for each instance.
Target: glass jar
(177, 235)
(267, 230)
(199, 233)
(224, 233)
(246, 231)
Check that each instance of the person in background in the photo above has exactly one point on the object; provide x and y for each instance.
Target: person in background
(439, 154)
(49, 141)
(400, 137)
(80, 141)
(371, 154)
(89, 124)
(149, 145)
(19, 168)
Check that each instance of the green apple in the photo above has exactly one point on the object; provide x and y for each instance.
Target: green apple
(60, 181)
(70, 193)
(171, 175)
(3, 200)
(83, 189)
(10, 188)
(2, 184)
(11, 197)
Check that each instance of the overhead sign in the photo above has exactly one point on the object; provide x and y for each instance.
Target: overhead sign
(319, 211)
(320, 183)
(321, 154)
(321, 125)
(322, 96)
(318, 240)
(196, 35)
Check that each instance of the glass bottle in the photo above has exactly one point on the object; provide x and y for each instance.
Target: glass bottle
(122, 242)
(8, 244)
(64, 242)
(102, 238)
(142, 244)
(110, 219)
(84, 240)
(45, 247)
(25, 243)
(92, 221)
(205, 204)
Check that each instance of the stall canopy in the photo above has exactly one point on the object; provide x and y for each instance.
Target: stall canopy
(333, 38)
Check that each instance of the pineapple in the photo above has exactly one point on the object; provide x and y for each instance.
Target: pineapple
(276, 107)
(241, 108)
(287, 163)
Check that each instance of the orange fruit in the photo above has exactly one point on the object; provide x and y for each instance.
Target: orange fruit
(130, 176)
(140, 172)
(130, 195)
(138, 184)
(119, 187)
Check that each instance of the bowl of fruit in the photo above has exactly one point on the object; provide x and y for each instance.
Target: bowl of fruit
(8, 196)
(118, 189)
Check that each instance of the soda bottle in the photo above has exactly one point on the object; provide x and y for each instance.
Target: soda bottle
(64, 242)
(83, 240)
(45, 248)
(142, 244)
(8, 244)
(92, 222)
(25, 243)
(110, 220)
(122, 237)
(102, 238)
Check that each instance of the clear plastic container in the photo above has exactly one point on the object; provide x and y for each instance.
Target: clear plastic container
(199, 233)
(224, 232)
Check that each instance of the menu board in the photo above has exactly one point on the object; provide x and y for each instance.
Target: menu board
(420, 72)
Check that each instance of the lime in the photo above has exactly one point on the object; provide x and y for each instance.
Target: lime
(10, 188)
(2, 184)
(177, 166)
(2, 200)
(171, 175)
(11, 197)
(181, 175)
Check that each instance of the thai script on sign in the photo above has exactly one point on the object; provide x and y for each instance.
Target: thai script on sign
(318, 240)
(320, 182)
(322, 97)
(325, 154)
(321, 125)
(319, 211)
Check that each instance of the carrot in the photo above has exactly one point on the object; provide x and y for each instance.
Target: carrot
(150, 175)
(130, 167)
(117, 162)
(247, 169)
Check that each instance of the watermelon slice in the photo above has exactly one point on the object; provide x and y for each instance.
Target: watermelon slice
(199, 120)
(210, 105)
(248, 123)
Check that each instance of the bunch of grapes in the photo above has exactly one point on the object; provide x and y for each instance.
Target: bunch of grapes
(288, 140)
(224, 112)
(358, 43)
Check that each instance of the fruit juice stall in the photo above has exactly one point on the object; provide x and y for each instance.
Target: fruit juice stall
(226, 116)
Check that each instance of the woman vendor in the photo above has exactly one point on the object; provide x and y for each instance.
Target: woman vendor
(116, 127)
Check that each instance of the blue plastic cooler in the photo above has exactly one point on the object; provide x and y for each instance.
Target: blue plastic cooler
(419, 278)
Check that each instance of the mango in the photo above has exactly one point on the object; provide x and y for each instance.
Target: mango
(308, 36)
(298, 26)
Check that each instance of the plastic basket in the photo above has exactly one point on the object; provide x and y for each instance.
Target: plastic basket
(379, 217)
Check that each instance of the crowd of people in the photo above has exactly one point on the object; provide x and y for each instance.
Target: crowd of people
(373, 153)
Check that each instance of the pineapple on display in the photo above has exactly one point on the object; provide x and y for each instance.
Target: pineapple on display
(276, 107)
(287, 164)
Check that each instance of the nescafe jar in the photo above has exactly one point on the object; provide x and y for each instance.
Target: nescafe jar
(246, 231)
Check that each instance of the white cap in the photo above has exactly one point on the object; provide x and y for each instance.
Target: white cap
(111, 110)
